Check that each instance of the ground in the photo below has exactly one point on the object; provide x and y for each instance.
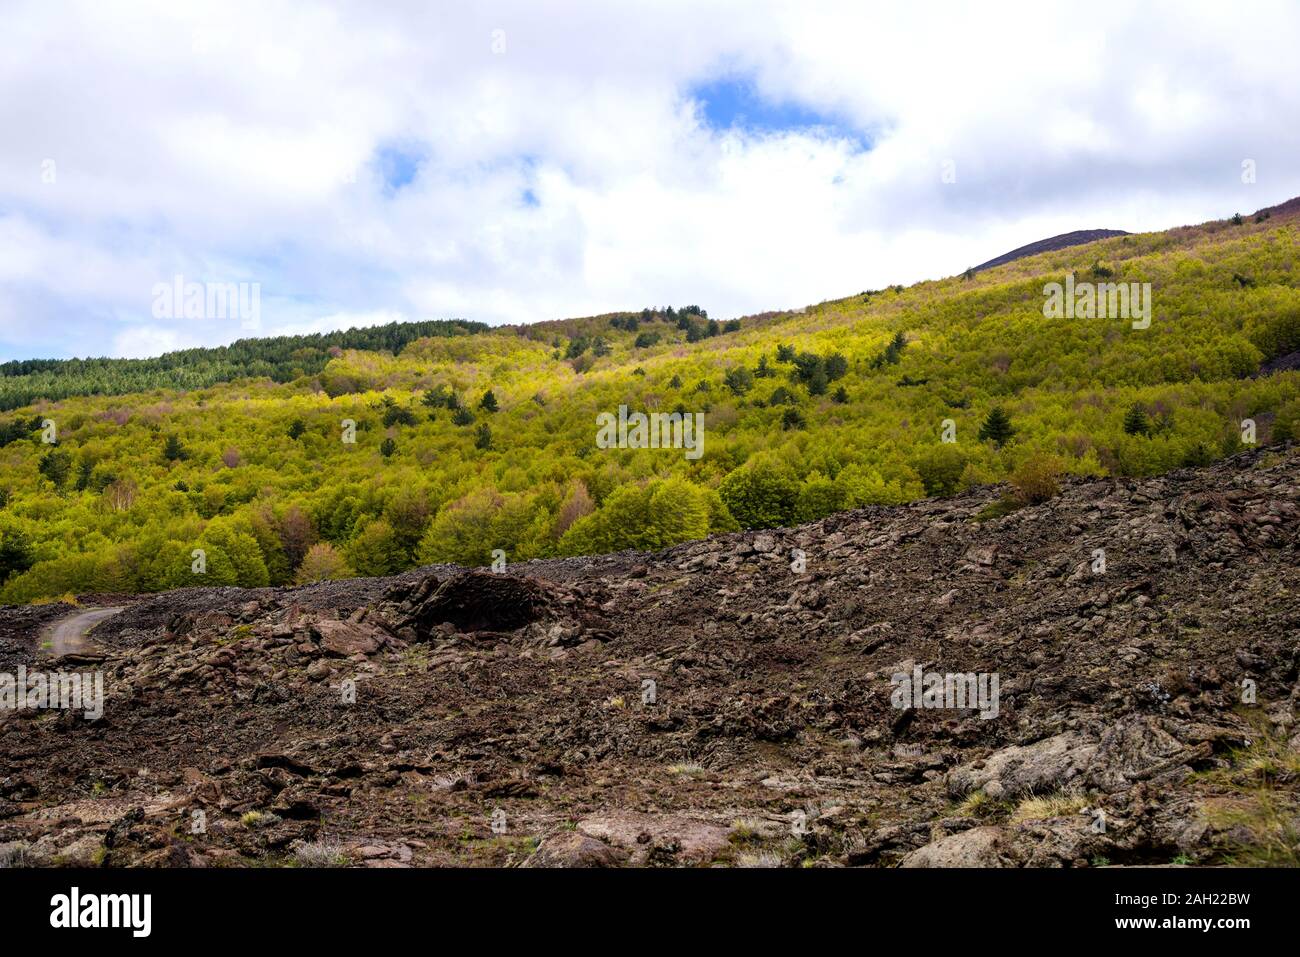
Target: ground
(725, 702)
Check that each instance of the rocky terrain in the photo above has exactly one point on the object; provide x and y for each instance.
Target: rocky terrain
(726, 702)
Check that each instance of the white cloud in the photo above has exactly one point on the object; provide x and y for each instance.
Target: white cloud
(237, 141)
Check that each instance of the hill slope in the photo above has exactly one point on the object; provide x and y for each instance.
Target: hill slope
(381, 461)
(1063, 241)
(719, 702)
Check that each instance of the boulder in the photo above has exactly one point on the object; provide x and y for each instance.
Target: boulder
(1053, 764)
(575, 849)
(977, 847)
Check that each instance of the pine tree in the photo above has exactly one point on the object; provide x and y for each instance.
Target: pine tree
(997, 427)
(488, 402)
(174, 451)
(483, 437)
(1136, 422)
(56, 465)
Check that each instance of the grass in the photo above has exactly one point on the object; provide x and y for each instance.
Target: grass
(1048, 806)
(1259, 815)
(747, 829)
(13, 855)
(322, 853)
(759, 859)
(979, 804)
(686, 770)
(999, 509)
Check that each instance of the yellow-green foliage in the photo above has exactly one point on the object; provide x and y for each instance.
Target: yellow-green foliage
(838, 406)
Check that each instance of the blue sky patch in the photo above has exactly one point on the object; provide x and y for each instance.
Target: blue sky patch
(398, 166)
(734, 103)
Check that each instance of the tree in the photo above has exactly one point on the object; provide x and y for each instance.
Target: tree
(996, 427)
(387, 447)
(233, 556)
(322, 563)
(837, 367)
(792, 418)
(739, 380)
(762, 493)
(1036, 479)
(661, 513)
(841, 396)
(173, 450)
(462, 416)
(578, 505)
(439, 397)
(940, 467)
(489, 402)
(376, 551)
(395, 414)
(819, 497)
(297, 534)
(1136, 422)
(296, 428)
(483, 437)
(56, 465)
(892, 352)
(15, 553)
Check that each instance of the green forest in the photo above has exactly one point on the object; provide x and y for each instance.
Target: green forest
(297, 459)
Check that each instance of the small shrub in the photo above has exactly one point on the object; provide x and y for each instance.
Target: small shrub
(1037, 479)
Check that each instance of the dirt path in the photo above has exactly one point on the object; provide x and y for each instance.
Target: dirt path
(69, 636)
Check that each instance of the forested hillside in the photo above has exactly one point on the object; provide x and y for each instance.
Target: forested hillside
(281, 359)
(469, 440)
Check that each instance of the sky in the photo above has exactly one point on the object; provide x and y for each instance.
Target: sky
(359, 163)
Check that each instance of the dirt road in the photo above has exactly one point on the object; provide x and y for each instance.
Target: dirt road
(69, 636)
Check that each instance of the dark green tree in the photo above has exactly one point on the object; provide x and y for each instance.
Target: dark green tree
(997, 427)
(56, 465)
(173, 450)
(15, 553)
(1136, 422)
(489, 402)
(738, 380)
